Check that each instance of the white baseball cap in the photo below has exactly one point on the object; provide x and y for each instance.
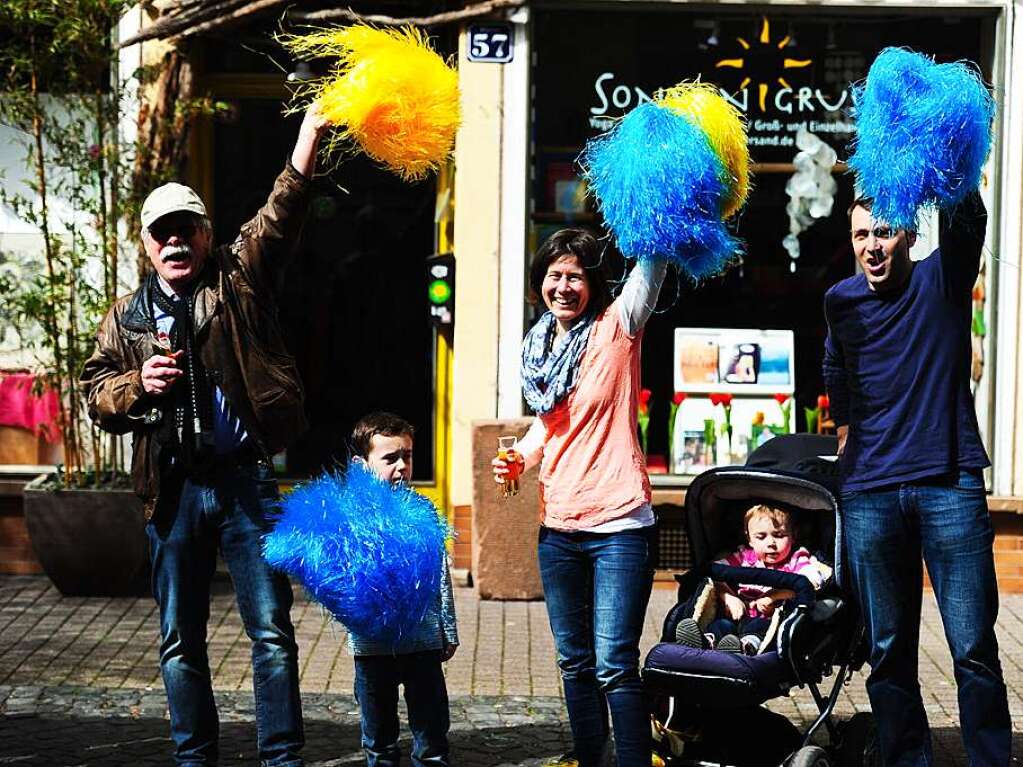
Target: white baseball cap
(171, 198)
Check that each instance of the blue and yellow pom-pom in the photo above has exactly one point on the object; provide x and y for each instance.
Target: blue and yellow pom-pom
(667, 175)
(702, 104)
(389, 92)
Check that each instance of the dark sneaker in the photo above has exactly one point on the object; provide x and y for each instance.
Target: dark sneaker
(688, 633)
(729, 643)
(750, 644)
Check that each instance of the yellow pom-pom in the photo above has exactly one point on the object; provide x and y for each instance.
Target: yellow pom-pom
(702, 104)
(389, 92)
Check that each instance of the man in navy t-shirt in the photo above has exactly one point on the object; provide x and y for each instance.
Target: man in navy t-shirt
(897, 368)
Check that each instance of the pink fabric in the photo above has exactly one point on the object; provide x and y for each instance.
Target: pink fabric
(21, 407)
(800, 561)
(592, 469)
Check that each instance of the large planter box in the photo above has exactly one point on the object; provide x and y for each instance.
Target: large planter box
(89, 542)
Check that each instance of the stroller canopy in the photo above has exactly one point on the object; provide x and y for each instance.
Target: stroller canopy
(797, 472)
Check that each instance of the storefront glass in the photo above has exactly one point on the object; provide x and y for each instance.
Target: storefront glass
(788, 69)
(353, 301)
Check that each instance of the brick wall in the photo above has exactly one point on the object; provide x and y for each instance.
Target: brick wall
(16, 554)
(462, 555)
(1009, 552)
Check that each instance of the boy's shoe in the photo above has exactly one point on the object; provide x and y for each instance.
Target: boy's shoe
(750, 644)
(688, 633)
(729, 643)
(567, 759)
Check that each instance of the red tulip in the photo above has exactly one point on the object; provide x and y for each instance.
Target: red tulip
(644, 402)
(780, 398)
(823, 402)
(679, 398)
(721, 399)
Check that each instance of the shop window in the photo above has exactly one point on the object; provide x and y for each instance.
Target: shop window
(790, 67)
(353, 301)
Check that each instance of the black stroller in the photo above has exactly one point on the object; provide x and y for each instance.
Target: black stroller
(707, 703)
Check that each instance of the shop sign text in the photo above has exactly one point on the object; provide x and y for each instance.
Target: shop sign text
(798, 102)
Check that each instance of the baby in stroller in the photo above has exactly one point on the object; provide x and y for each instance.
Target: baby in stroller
(746, 613)
(699, 694)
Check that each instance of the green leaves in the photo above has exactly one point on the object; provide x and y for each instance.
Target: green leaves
(60, 90)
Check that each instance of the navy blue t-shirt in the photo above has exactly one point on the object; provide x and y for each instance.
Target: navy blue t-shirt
(897, 365)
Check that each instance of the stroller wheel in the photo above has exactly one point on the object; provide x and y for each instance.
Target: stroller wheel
(809, 756)
(857, 744)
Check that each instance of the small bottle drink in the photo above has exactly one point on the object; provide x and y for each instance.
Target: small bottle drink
(506, 452)
(163, 345)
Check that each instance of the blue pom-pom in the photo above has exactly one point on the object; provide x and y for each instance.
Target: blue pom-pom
(923, 134)
(658, 184)
(370, 553)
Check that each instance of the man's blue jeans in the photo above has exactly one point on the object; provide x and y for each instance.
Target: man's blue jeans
(597, 587)
(232, 511)
(376, 688)
(886, 531)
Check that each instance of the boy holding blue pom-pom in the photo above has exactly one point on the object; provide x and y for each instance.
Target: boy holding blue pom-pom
(383, 442)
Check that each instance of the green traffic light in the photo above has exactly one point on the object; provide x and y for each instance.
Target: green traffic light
(439, 291)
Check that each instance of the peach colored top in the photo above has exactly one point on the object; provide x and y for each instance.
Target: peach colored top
(592, 470)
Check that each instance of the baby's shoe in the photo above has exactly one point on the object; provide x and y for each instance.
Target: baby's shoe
(750, 644)
(688, 633)
(729, 643)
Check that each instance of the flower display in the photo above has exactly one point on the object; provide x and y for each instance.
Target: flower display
(677, 399)
(785, 405)
(643, 416)
(725, 401)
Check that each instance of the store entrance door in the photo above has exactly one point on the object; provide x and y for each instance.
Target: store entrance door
(353, 302)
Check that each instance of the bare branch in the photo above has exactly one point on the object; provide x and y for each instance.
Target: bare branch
(191, 19)
(228, 18)
(475, 10)
(181, 18)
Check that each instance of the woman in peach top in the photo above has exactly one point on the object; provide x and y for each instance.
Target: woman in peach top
(597, 542)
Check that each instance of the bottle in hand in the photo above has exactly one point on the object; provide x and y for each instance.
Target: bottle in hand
(506, 451)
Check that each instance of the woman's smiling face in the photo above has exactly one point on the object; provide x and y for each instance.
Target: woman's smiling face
(566, 291)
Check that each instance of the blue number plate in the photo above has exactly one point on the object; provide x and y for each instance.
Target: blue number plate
(492, 42)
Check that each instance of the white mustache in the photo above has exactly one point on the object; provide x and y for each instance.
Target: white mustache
(175, 250)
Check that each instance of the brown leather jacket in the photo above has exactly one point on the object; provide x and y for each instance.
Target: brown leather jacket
(239, 341)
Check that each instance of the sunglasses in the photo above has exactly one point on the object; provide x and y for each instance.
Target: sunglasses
(184, 228)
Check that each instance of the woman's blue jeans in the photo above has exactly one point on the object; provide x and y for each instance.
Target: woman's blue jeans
(597, 587)
(231, 512)
(886, 531)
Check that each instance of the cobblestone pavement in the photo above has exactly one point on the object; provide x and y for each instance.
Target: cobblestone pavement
(79, 681)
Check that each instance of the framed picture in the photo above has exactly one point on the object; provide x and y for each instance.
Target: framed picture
(697, 358)
(734, 360)
(695, 455)
(739, 363)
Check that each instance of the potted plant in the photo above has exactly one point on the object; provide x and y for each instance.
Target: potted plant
(61, 92)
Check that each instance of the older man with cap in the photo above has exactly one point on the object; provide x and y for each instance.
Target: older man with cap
(194, 366)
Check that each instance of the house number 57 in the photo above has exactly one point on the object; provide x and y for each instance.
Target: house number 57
(493, 42)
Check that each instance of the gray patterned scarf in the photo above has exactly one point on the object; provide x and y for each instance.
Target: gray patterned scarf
(548, 375)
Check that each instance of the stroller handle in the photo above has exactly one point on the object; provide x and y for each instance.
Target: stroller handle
(762, 576)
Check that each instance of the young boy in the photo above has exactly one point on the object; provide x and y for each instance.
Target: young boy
(383, 442)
